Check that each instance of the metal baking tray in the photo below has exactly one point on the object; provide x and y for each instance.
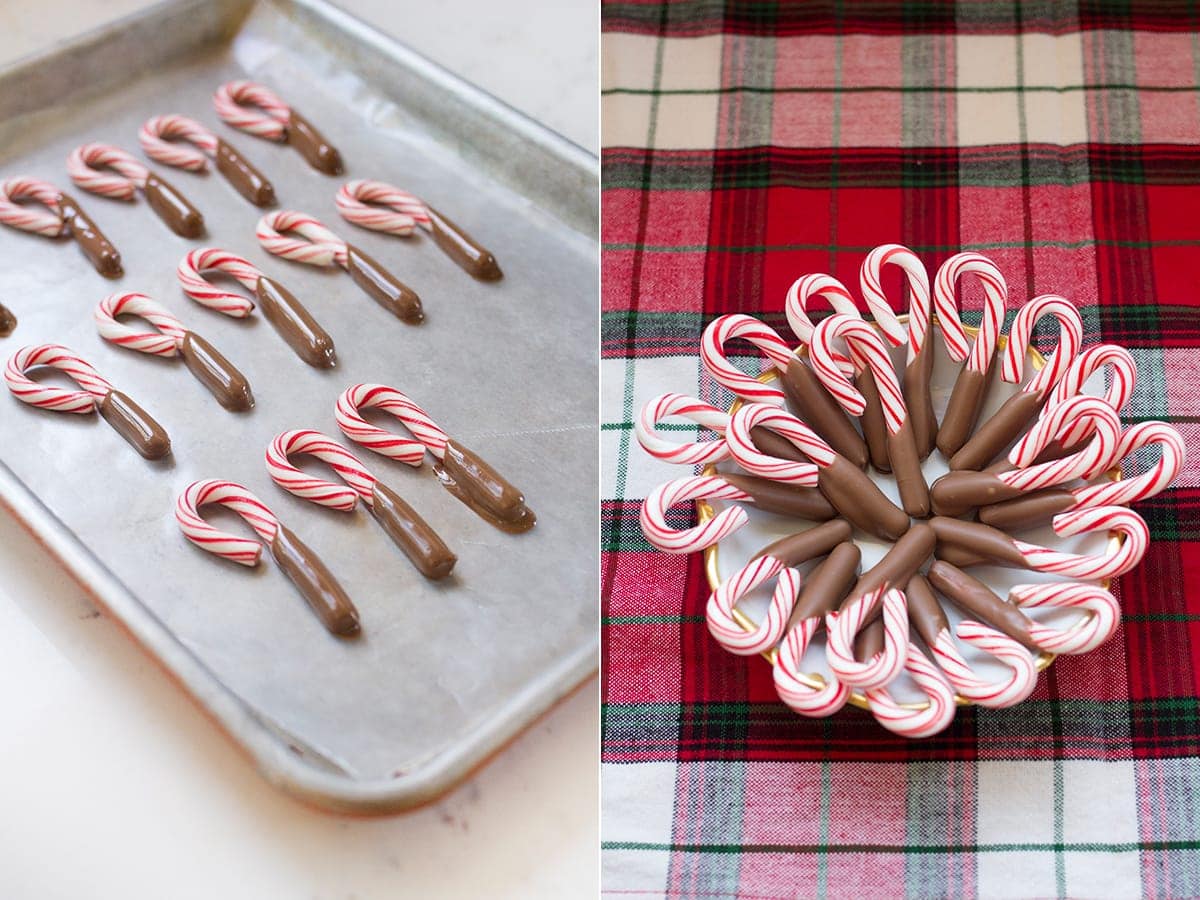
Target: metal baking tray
(444, 673)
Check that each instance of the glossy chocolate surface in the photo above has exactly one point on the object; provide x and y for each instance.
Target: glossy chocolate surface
(874, 427)
(321, 155)
(997, 432)
(246, 180)
(784, 499)
(477, 484)
(325, 596)
(805, 545)
(8, 321)
(906, 465)
(172, 207)
(918, 375)
(855, 496)
(91, 240)
(1030, 511)
(412, 534)
(974, 597)
(135, 425)
(383, 287)
(472, 257)
(827, 585)
(216, 373)
(815, 407)
(962, 410)
(295, 324)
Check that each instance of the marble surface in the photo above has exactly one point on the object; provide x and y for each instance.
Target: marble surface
(116, 786)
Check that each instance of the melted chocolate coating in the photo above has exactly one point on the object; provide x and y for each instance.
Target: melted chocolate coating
(857, 498)
(827, 585)
(316, 584)
(797, 548)
(784, 499)
(974, 597)
(815, 406)
(997, 432)
(870, 641)
(172, 207)
(979, 541)
(924, 611)
(135, 425)
(768, 442)
(412, 534)
(899, 564)
(383, 287)
(962, 410)
(1026, 512)
(478, 485)
(321, 155)
(8, 321)
(906, 463)
(295, 324)
(917, 397)
(91, 240)
(246, 180)
(873, 424)
(216, 373)
(957, 493)
(471, 257)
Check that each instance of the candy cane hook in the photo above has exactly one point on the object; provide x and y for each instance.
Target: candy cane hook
(845, 624)
(924, 721)
(184, 143)
(257, 110)
(1122, 372)
(65, 217)
(1102, 609)
(92, 167)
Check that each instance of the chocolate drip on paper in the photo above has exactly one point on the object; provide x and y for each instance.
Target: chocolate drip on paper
(246, 180)
(918, 375)
(999, 431)
(1030, 511)
(135, 425)
(295, 324)
(814, 405)
(216, 373)
(784, 499)
(906, 465)
(172, 207)
(958, 493)
(316, 584)
(412, 534)
(473, 258)
(924, 610)
(857, 498)
(91, 240)
(8, 321)
(797, 548)
(383, 287)
(827, 585)
(469, 478)
(873, 424)
(962, 410)
(321, 155)
(899, 564)
(975, 541)
(974, 597)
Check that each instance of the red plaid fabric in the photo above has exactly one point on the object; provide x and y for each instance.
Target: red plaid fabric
(749, 143)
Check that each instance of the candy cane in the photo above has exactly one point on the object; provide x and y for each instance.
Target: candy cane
(797, 694)
(844, 625)
(196, 286)
(1098, 627)
(924, 721)
(164, 340)
(87, 164)
(1122, 371)
(726, 630)
(750, 458)
(801, 293)
(65, 217)
(656, 506)
(167, 139)
(697, 453)
(712, 355)
(1070, 416)
(995, 694)
(257, 110)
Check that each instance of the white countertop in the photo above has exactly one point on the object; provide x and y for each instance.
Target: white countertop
(115, 785)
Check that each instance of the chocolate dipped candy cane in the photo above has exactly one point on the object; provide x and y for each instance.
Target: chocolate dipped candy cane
(930, 621)
(92, 167)
(382, 207)
(169, 338)
(259, 111)
(167, 139)
(966, 398)
(971, 543)
(1018, 410)
(776, 561)
(8, 321)
(97, 395)
(65, 217)
(957, 493)
(289, 318)
(304, 568)
(321, 247)
(1040, 507)
(411, 533)
(463, 473)
(824, 588)
(918, 363)
(868, 353)
(921, 720)
(845, 624)
(850, 491)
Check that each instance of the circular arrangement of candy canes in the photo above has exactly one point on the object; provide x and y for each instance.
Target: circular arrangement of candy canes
(30, 218)
(1020, 336)
(697, 453)
(320, 247)
(749, 457)
(995, 694)
(867, 352)
(791, 683)
(978, 354)
(1080, 637)
(360, 482)
(1113, 562)
(919, 309)
(252, 108)
(1122, 372)
(923, 721)
(727, 631)
(845, 624)
(712, 355)
(381, 207)
(196, 286)
(1097, 455)
(242, 550)
(178, 141)
(386, 443)
(94, 385)
(86, 162)
(164, 341)
(653, 514)
(1149, 483)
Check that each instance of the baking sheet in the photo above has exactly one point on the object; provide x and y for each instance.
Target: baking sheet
(444, 673)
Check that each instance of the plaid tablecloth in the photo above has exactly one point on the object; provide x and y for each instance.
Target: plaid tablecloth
(749, 143)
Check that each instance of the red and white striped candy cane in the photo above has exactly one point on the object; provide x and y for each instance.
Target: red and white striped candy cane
(1093, 458)
(923, 721)
(653, 515)
(196, 286)
(1149, 483)
(94, 385)
(1122, 378)
(29, 218)
(1098, 627)
(919, 311)
(867, 352)
(428, 436)
(167, 139)
(726, 630)
(1070, 337)
(750, 458)
(1007, 690)
(242, 550)
(697, 453)
(801, 293)
(252, 108)
(381, 207)
(712, 355)
(85, 162)
(361, 483)
(844, 625)
(320, 246)
(945, 301)
(164, 341)
(791, 688)
(1112, 562)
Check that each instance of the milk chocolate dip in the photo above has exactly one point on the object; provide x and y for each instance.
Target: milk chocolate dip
(978, 541)
(172, 207)
(906, 464)
(246, 180)
(315, 583)
(974, 597)
(475, 483)
(873, 424)
(814, 405)
(295, 324)
(797, 548)
(924, 611)
(784, 499)
(1030, 511)
(856, 497)
(962, 410)
(899, 564)
(998, 432)
(321, 155)
(827, 585)
(91, 240)
(412, 534)
(870, 641)
(383, 287)
(8, 321)
(135, 425)
(958, 493)
(462, 248)
(915, 383)
(216, 373)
